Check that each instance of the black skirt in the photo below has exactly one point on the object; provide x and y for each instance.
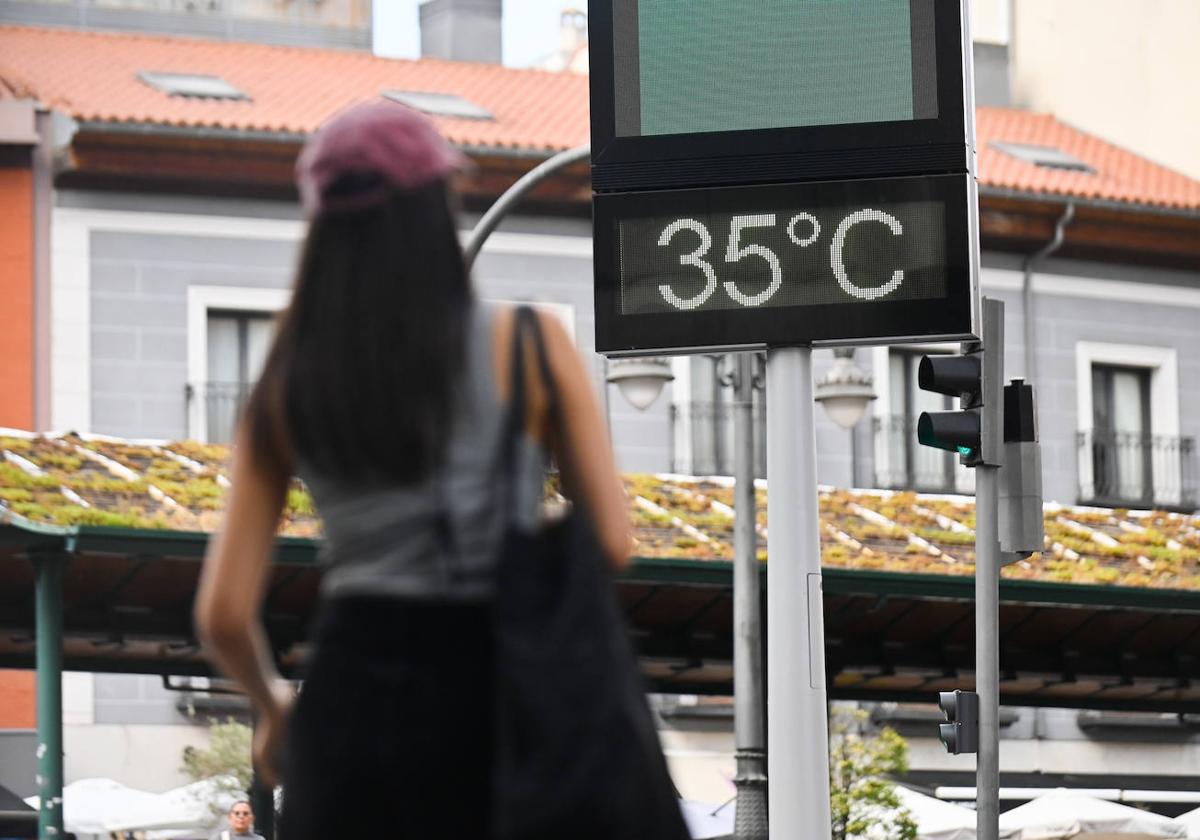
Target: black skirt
(391, 734)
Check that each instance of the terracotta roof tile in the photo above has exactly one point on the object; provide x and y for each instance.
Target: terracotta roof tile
(93, 77)
(1119, 176)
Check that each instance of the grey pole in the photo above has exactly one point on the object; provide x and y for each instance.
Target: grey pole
(750, 813)
(48, 620)
(987, 579)
(798, 753)
(488, 222)
(987, 651)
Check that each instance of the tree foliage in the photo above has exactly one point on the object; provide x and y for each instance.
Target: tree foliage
(226, 762)
(864, 803)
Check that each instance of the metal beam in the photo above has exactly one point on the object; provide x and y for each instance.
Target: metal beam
(49, 571)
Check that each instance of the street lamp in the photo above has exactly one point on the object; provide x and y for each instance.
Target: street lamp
(640, 380)
(844, 392)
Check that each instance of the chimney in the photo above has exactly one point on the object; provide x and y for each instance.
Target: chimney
(992, 88)
(461, 30)
(573, 34)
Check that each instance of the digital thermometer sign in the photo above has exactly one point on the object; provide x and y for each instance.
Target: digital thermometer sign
(758, 65)
(848, 261)
(707, 92)
(781, 172)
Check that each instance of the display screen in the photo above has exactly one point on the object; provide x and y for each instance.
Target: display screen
(695, 66)
(786, 252)
(794, 263)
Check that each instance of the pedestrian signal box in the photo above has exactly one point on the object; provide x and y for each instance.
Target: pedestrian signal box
(960, 733)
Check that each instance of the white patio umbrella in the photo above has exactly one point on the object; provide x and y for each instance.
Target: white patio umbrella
(1191, 823)
(937, 820)
(101, 806)
(940, 820)
(1061, 814)
(707, 821)
(197, 801)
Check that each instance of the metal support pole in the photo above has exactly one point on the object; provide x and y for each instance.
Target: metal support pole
(484, 227)
(798, 753)
(987, 650)
(750, 814)
(48, 623)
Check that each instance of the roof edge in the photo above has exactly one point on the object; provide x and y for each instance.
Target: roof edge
(1093, 203)
(206, 132)
(43, 529)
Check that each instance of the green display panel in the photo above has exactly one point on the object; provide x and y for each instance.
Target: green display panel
(696, 66)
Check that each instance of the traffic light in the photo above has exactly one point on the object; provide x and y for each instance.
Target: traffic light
(976, 377)
(960, 734)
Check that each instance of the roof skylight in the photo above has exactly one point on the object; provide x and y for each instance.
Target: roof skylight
(1048, 157)
(191, 85)
(440, 104)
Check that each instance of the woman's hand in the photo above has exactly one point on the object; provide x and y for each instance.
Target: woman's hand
(269, 731)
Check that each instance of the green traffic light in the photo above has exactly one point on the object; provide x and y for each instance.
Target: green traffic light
(965, 451)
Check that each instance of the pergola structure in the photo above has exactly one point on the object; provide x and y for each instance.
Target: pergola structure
(119, 600)
(101, 543)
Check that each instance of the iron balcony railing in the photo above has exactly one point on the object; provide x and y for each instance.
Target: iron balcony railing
(1131, 469)
(903, 464)
(222, 404)
(702, 439)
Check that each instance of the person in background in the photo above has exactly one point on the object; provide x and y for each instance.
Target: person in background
(386, 390)
(241, 823)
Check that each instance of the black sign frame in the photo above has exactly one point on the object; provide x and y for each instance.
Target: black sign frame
(951, 318)
(929, 146)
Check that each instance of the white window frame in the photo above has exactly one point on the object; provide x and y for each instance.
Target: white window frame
(201, 301)
(1163, 365)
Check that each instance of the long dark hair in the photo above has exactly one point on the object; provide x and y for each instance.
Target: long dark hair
(361, 379)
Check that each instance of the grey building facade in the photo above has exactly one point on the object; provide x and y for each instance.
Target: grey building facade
(342, 24)
(156, 278)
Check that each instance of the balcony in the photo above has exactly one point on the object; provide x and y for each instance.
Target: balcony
(220, 405)
(1125, 469)
(702, 439)
(903, 464)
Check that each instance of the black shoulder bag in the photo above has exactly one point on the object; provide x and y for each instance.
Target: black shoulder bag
(576, 752)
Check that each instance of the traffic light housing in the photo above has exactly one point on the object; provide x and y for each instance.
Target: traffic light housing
(976, 377)
(960, 733)
(1021, 527)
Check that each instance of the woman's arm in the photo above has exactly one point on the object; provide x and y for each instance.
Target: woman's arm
(231, 590)
(582, 447)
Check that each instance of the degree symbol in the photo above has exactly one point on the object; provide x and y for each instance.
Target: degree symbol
(804, 217)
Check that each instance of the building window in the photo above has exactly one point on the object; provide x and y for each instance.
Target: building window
(1121, 442)
(237, 348)
(230, 329)
(702, 421)
(1129, 449)
(900, 462)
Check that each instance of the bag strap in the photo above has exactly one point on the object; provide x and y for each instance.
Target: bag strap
(522, 318)
(543, 360)
(525, 323)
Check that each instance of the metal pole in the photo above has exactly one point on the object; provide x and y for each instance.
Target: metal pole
(798, 753)
(987, 650)
(750, 813)
(48, 623)
(483, 229)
